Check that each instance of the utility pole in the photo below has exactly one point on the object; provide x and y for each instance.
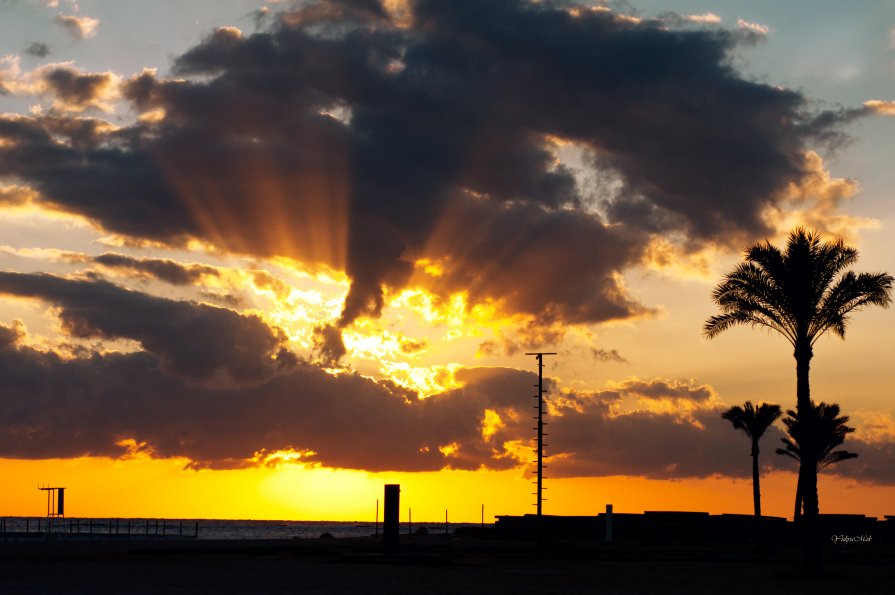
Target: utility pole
(540, 427)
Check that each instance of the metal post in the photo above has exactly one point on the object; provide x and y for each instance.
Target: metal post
(609, 522)
(377, 518)
(392, 512)
(540, 428)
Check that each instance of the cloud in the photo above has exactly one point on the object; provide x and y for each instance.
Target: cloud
(755, 28)
(16, 196)
(884, 108)
(165, 270)
(71, 90)
(37, 49)
(329, 344)
(814, 202)
(438, 137)
(75, 91)
(77, 27)
(665, 389)
(99, 404)
(195, 341)
(673, 19)
(607, 355)
(705, 18)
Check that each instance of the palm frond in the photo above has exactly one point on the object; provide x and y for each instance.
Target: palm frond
(817, 432)
(753, 421)
(850, 293)
(801, 292)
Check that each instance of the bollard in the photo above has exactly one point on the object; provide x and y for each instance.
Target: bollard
(390, 526)
(609, 522)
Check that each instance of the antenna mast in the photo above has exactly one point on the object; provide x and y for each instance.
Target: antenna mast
(540, 428)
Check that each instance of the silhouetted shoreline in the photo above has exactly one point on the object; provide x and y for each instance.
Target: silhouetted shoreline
(433, 564)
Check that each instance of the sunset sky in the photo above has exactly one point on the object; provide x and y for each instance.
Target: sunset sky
(258, 259)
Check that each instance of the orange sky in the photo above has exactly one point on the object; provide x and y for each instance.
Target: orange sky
(145, 488)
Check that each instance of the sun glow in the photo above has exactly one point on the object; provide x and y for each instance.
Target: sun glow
(425, 381)
(283, 458)
(491, 423)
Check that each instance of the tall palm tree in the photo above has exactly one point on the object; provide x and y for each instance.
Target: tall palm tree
(819, 430)
(754, 422)
(800, 293)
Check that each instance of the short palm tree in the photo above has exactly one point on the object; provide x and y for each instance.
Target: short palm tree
(754, 422)
(819, 430)
(800, 293)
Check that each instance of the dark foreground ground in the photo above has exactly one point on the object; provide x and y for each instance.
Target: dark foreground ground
(432, 564)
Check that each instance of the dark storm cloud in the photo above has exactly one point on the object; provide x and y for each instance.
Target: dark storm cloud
(329, 345)
(369, 145)
(191, 340)
(162, 269)
(57, 407)
(601, 444)
(65, 408)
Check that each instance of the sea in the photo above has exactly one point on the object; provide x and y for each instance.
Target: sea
(208, 528)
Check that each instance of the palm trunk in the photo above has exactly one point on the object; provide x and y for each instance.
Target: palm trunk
(803, 354)
(806, 491)
(756, 489)
(807, 462)
(810, 498)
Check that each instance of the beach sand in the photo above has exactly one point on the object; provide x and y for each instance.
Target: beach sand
(431, 564)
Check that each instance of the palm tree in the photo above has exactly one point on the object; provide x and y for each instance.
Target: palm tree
(801, 294)
(819, 430)
(754, 422)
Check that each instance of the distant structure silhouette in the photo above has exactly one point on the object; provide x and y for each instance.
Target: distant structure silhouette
(55, 505)
(390, 524)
